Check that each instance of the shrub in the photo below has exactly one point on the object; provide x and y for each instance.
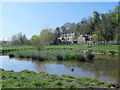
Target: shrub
(80, 57)
(112, 52)
(11, 55)
(90, 56)
(60, 57)
(21, 55)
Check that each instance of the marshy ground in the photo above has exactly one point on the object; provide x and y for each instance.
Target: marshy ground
(30, 79)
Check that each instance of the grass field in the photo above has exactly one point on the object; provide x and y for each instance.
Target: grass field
(98, 48)
(79, 47)
(17, 47)
(30, 79)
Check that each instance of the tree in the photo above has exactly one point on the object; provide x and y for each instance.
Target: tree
(96, 18)
(57, 35)
(95, 21)
(85, 26)
(19, 39)
(34, 40)
(46, 37)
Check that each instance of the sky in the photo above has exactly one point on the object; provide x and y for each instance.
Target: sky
(31, 17)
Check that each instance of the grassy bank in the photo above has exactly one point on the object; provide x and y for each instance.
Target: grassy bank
(49, 55)
(104, 48)
(98, 48)
(59, 54)
(106, 57)
(7, 49)
(101, 48)
(30, 79)
(17, 47)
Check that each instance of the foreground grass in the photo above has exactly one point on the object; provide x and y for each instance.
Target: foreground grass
(30, 79)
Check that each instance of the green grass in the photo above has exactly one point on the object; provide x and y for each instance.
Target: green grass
(30, 79)
(59, 54)
(106, 57)
(98, 48)
(48, 55)
(17, 47)
(54, 48)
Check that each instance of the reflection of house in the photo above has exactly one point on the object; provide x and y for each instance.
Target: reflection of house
(70, 38)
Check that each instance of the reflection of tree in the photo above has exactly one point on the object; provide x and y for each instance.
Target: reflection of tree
(39, 65)
(106, 68)
(105, 64)
(112, 73)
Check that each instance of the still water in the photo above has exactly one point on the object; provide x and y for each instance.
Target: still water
(104, 70)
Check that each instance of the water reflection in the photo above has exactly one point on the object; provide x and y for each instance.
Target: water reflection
(104, 70)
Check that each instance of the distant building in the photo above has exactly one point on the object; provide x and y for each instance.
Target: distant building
(81, 40)
(70, 38)
(67, 37)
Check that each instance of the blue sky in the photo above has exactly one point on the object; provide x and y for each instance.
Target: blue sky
(31, 17)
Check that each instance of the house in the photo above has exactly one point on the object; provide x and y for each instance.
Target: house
(81, 40)
(70, 38)
(88, 39)
(67, 38)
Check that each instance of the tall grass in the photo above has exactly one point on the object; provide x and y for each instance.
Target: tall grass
(48, 55)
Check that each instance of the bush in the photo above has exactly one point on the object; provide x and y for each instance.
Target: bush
(112, 52)
(21, 55)
(11, 55)
(80, 57)
(90, 56)
(60, 57)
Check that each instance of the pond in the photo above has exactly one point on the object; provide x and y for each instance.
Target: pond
(103, 70)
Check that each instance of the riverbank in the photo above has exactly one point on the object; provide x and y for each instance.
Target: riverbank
(61, 54)
(44, 55)
(30, 79)
(7, 49)
(98, 48)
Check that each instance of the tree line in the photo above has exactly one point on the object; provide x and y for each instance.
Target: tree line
(103, 27)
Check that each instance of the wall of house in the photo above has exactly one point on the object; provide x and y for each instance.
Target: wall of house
(71, 38)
